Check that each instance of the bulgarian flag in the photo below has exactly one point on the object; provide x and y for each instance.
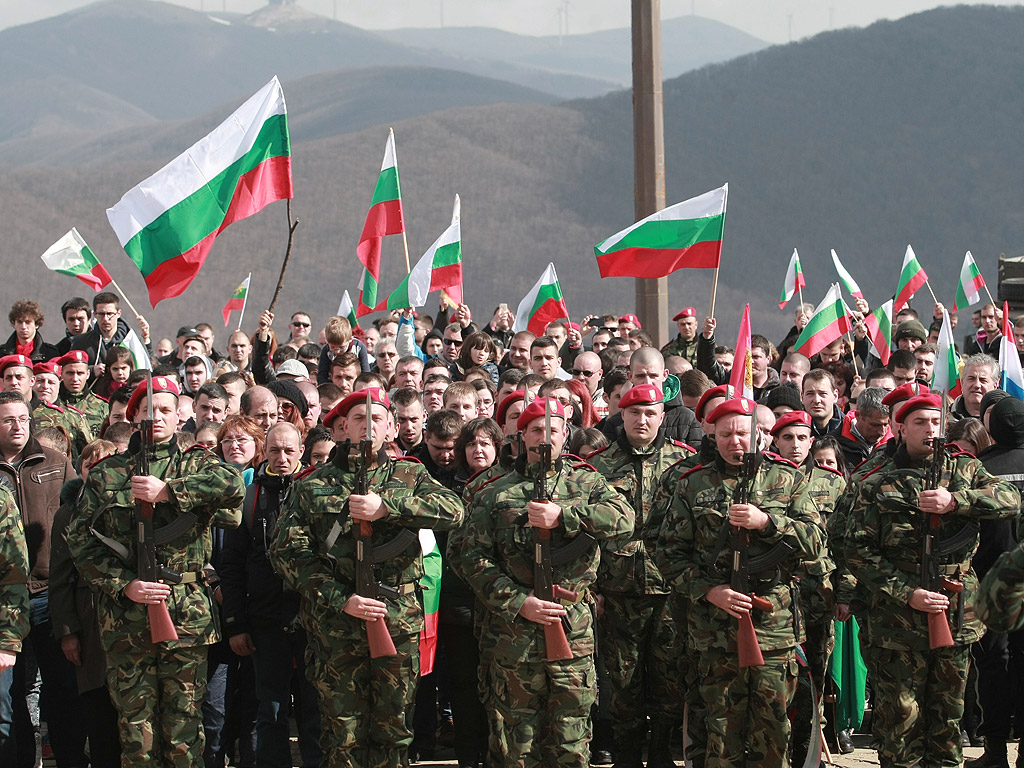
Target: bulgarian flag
(140, 355)
(542, 305)
(968, 290)
(879, 325)
(384, 218)
(169, 222)
(237, 301)
(687, 235)
(846, 278)
(828, 323)
(1012, 379)
(912, 277)
(430, 584)
(741, 378)
(439, 268)
(946, 374)
(794, 280)
(71, 256)
(346, 310)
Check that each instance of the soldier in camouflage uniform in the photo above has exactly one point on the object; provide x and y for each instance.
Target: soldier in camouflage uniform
(685, 344)
(14, 608)
(542, 707)
(918, 691)
(74, 391)
(364, 701)
(637, 637)
(746, 716)
(1000, 600)
(49, 414)
(158, 689)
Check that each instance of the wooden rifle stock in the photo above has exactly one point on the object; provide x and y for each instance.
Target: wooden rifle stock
(939, 633)
(377, 635)
(748, 649)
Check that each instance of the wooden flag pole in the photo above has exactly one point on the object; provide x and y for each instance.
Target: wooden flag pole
(800, 290)
(405, 244)
(248, 287)
(125, 297)
(934, 299)
(714, 290)
(287, 255)
(990, 299)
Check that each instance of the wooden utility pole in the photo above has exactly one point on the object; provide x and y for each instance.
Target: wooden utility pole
(649, 154)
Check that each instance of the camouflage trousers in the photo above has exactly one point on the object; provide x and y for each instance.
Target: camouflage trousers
(365, 704)
(158, 693)
(818, 612)
(689, 661)
(543, 711)
(747, 720)
(918, 703)
(640, 646)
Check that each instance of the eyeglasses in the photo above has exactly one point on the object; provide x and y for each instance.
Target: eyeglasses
(564, 400)
(11, 421)
(302, 325)
(242, 440)
(105, 314)
(579, 372)
(287, 406)
(452, 342)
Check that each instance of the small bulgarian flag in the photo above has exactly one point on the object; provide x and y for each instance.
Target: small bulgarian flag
(846, 278)
(946, 374)
(794, 280)
(430, 584)
(687, 235)
(741, 378)
(139, 353)
(168, 223)
(912, 277)
(439, 268)
(968, 290)
(384, 218)
(71, 256)
(542, 305)
(828, 323)
(879, 325)
(347, 310)
(237, 302)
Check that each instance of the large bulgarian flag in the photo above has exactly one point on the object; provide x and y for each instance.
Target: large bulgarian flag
(687, 235)
(440, 268)
(912, 277)
(542, 305)
(168, 223)
(879, 325)
(384, 218)
(794, 280)
(828, 323)
(72, 256)
(968, 289)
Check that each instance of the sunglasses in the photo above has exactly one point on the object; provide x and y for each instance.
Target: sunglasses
(302, 325)
(452, 342)
(579, 372)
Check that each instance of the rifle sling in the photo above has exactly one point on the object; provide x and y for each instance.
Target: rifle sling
(571, 551)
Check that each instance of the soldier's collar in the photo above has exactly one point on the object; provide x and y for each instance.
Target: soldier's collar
(531, 470)
(347, 461)
(726, 468)
(631, 450)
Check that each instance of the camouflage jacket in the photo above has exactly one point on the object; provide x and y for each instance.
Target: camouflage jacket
(694, 551)
(325, 576)
(494, 552)
(826, 488)
(202, 488)
(1000, 601)
(683, 348)
(93, 406)
(884, 540)
(69, 418)
(14, 624)
(628, 566)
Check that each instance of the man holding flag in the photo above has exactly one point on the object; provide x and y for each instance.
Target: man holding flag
(110, 330)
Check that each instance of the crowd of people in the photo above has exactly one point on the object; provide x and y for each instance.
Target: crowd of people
(537, 549)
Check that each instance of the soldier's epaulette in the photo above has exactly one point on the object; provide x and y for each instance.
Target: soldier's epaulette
(476, 474)
(869, 458)
(828, 469)
(496, 477)
(69, 407)
(869, 474)
(409, 458)
(681, 444)
(774, 457)
(54, 406)
(954, 451)
(680, 461)
(690, 471)
(194, 446)
(307, 471)
(576, 462)
(105, 458)
(101, 397)
(599, 450)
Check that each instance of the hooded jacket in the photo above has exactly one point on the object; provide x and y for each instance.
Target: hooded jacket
(1005, 460)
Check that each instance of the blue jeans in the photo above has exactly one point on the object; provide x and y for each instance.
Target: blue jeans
(279, 657)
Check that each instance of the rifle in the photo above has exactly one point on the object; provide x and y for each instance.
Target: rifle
(367, 581)
(939, 635)
(544, 586)
(747, 647)
(161, 628)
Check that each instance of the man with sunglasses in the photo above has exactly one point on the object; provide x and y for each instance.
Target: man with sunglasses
(452, 342)
(299, 328)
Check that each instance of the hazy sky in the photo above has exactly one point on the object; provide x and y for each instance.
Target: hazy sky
(771, 20)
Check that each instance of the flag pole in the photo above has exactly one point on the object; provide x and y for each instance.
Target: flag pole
(248, 287)
(287, 255)
(800, 290)
(990, 299)
(125, 297)
(934, 298)
(721, 244)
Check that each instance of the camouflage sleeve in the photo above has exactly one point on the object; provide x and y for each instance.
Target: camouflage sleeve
(987, 497)
(801, 526)
(601, 510)
(212, 485)
(96, 562)
(430, 505)
(1000, 599)
(844, 582)
(296, 554)
(865, 556)
(14, 604)
(675, 553)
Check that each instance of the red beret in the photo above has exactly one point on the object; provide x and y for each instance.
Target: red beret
(75, 356)
(792, 419)
(160, 384)
(905, 392)
(506, 403)
(535, 410)
(50, 366)
(10, 361)
(631, 319)
(377, 396)
(744, 406)
(688, 312)
(722, 390)
(919, 403)
(642, 394)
